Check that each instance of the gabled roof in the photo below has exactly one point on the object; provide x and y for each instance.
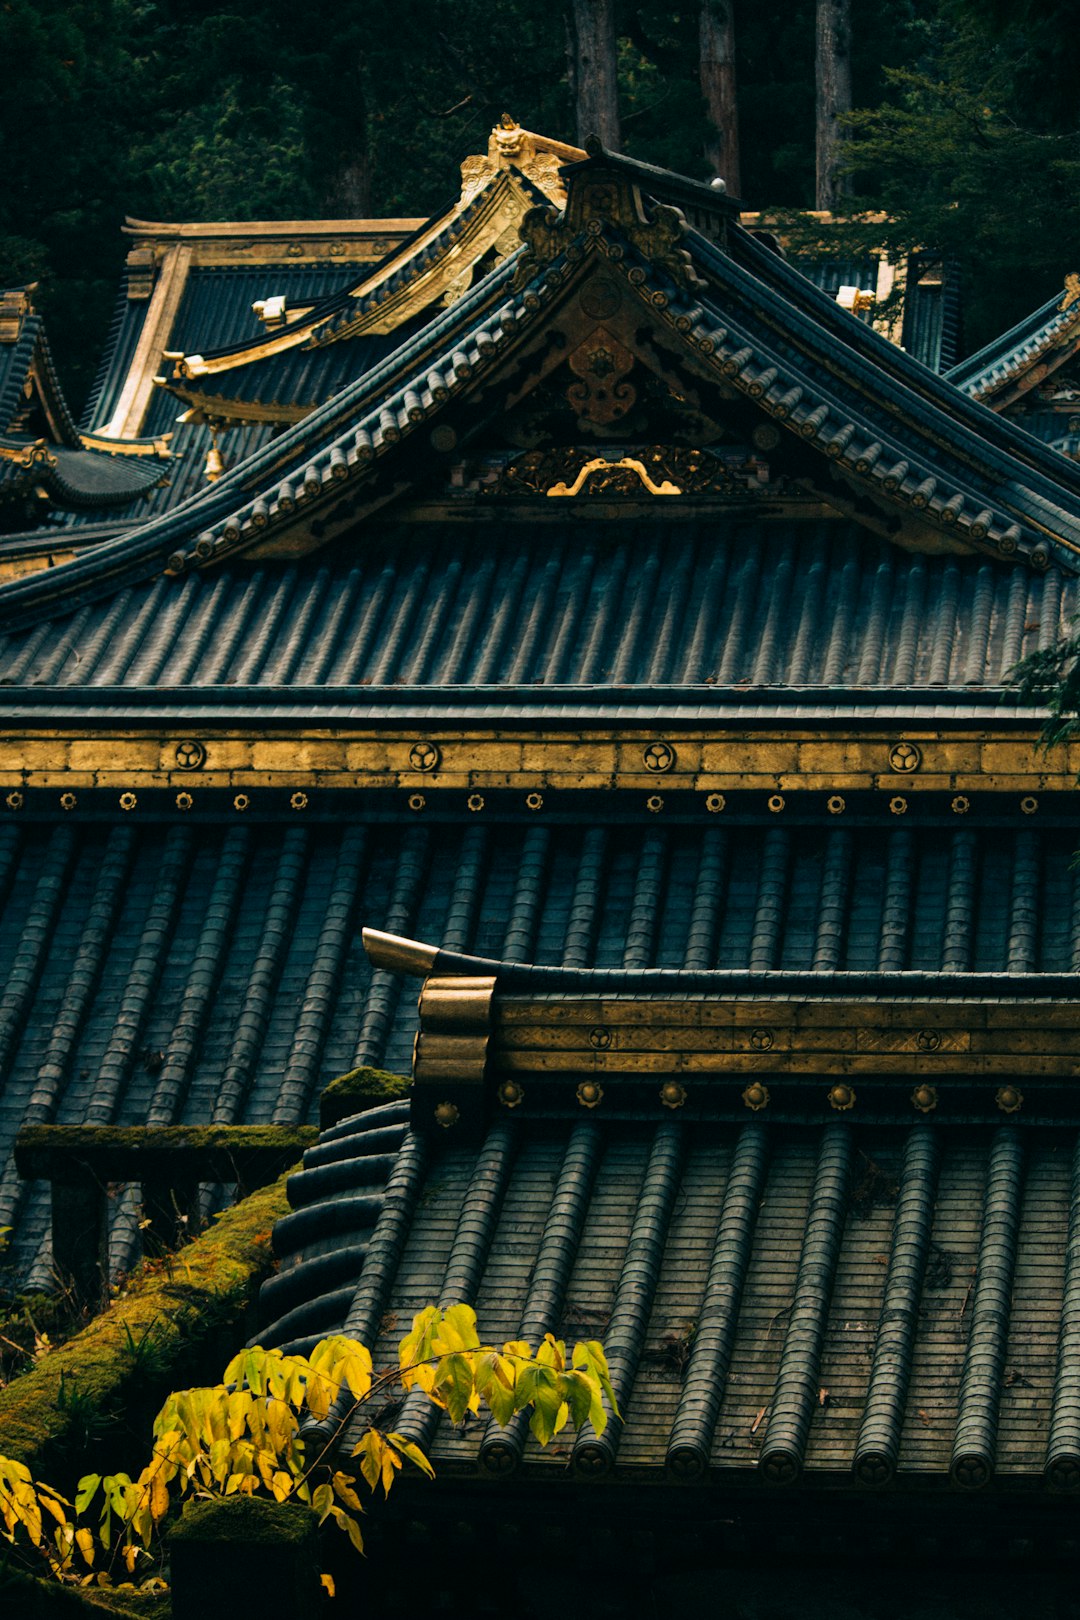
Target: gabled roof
(859, 424)
(263, 378)
(45, 462)
(205, 289)
(1004, 370)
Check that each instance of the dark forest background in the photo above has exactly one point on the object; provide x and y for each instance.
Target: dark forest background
(964, 128)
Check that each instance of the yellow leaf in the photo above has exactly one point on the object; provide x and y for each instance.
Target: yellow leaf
(409, 1449)
(328, 1582)
(84, 1540)
(370, 1453)
(343, 1490)
(281, 1425)
(390, 1462)
(53, 1505)
(345, 1522)
(159, 1496)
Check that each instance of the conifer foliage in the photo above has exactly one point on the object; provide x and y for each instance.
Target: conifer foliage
(963, 134)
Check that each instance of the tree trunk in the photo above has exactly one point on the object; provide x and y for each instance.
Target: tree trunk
(350, 196)
(591, 55)
(833, 97)
(349, 192)
(716, 65)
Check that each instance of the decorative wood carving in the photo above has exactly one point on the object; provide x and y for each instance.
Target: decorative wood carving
(602, 395)
(606, 196)
(656, 470)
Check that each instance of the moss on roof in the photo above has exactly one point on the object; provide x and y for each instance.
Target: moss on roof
(145, 1344)
(359, 1089)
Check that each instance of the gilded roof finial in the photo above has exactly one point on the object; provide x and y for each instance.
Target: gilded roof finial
(509, 146)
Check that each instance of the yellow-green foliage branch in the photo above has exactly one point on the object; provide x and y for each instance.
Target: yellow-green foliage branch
(243, 1437)
(168, 1310)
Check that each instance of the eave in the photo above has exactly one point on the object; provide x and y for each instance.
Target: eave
(1008, 367)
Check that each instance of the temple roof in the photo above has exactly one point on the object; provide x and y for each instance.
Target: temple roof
(265, 378)
(195, 284)
(1007, 368)
(707, 618)
(773, 1303)
(225, 301)
(844, 417)
(777, 1294)
(46, 464)
(211, 970)
(637, 628)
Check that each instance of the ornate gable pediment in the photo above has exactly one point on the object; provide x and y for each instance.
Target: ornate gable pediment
(639, 317)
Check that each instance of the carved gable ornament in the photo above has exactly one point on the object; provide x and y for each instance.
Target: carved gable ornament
(640, 471)
(603, 199)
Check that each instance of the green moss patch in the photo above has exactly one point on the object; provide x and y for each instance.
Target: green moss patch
(251, 1519)
(152, 1339)
(359, 1089)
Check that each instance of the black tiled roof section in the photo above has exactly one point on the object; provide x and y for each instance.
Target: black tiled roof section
(301, 377)
(1006, 357)
(741, 604)
(87, 480)
(189, 975)
(832, 274)
(215, 308)
(772, 1301)
(341, 299)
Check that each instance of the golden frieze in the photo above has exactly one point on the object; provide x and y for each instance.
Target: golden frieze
(656, 470)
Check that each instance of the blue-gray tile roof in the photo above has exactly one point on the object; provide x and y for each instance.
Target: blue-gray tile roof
(886, 423)
(1049, 334)
(727, 604)
(214, 972)
(782, 1303)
